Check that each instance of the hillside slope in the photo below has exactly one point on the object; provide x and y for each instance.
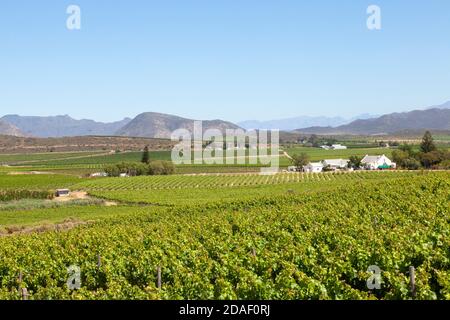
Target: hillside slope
(430, 119)
(62, 126)
(9, 130)
(159, 125)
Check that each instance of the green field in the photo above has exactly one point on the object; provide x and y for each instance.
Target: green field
(222, 236)
(37, 181)
(20, 159)
(83, 163)
(176, 190)
(17, 219)
(88, 162)
(94, 160)
(313, 244)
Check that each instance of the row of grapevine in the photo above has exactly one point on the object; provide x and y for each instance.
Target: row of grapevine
(215, 181)
(296, 246)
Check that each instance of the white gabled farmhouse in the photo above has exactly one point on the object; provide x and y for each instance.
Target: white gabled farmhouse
(377, 162)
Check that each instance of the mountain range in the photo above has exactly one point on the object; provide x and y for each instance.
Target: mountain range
(436, 118)
(159, 125)
(148, 125)
(62, 126)
(289, 124)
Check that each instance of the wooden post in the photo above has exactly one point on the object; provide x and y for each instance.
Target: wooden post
(99, 261)
(20, 280)
(159, 277)
(254, 253)
(24, 294)
(412, 281)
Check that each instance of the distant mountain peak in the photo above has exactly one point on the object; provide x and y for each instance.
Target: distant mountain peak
(161, 125)
(445, 105)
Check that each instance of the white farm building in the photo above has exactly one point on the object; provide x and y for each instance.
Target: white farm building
(377, 162)
(335, 164)
(334, 147)
(338, 147)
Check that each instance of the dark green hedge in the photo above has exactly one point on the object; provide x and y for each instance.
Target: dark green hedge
(9, 195)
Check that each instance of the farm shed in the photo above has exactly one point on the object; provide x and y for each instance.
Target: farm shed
(62, 192)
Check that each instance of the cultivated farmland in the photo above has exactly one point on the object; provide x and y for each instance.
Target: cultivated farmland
(223, 235)
(296, 246)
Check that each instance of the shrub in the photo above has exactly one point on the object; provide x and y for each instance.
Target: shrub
(140, 169)
(160, 167)
(410, 164)
(444, 165)
(10, 195)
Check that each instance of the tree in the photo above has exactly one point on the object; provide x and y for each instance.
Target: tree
(314, 140)
(300, 160)
(146, 156)
(432, 158)
(407, 148)
(427, 144)
(160, 167)
(354, 162)
(399, 157)
(411, 164)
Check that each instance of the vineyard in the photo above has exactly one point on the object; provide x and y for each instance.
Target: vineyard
(190, 190)
(84, 163)
(36, 181)
(310, 245)
(22, 158)
(214, 181)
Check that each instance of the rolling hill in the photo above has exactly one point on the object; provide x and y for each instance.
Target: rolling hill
(159, 125)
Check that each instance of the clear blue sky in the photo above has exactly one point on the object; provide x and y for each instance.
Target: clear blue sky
(228, 59)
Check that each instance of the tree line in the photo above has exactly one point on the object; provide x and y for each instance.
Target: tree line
(428, 156)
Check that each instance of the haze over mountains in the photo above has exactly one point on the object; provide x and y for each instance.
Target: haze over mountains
(62, 126)
(159, 125)
(9, 130)
(289, 124)
(436, 118)
(148, 124)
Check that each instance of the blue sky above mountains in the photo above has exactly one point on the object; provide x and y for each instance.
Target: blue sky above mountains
(233, 60)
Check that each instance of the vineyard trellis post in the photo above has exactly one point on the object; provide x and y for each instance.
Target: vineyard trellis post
(20, 280)
(25, 294)
(159, 277)
(412, 281)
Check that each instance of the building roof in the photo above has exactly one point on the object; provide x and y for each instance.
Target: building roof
(335, 162)
(371, 159)
(315, 164)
